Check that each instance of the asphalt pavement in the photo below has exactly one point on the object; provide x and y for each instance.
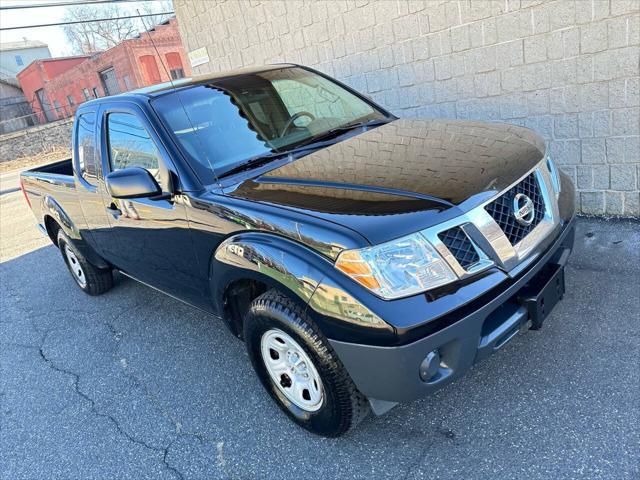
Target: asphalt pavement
(136, 385)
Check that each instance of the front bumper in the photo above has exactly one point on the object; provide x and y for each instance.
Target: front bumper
(391, 373)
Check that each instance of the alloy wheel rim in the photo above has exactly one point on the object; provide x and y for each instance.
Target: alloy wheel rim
(75, 267)
(291, 370)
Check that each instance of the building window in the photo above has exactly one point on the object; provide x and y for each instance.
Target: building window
(177, 73)
(19, 60)
(175, 65)
(86, 94)
(96, 94)
(70, 100)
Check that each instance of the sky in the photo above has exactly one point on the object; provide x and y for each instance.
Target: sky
(53, 36)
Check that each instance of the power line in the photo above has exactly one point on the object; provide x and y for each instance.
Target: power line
(65, 4)
(87, 21)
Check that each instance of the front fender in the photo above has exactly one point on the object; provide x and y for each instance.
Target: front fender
(302, 274)
(276, 261)
(566, 201)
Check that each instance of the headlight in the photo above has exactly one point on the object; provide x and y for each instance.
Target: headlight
(555, 175)
(399, 268)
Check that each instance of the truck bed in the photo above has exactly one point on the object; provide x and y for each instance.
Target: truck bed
(51, 183)
(63, 167)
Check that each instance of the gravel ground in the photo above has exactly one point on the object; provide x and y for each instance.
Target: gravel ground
(134, 384)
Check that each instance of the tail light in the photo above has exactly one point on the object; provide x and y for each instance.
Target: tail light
(24, 192)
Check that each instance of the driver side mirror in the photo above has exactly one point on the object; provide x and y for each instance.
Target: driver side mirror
(132, 182)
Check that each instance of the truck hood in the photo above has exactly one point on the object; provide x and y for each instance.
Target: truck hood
(402, 176)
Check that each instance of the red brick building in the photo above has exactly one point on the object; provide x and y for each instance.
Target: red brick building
(55, 87)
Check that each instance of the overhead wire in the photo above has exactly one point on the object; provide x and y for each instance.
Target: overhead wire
(65, 4)
(74, 22)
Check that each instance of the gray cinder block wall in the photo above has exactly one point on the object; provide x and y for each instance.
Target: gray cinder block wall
(569, 69)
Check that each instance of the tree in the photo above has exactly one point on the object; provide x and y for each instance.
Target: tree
(150, 8)
(94, 36)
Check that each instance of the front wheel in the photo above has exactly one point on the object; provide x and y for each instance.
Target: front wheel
(299, 369)
(92, 280)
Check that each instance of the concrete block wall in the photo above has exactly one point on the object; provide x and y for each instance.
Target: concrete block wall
(568, 69)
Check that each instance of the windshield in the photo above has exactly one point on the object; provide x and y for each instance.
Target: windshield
(230, 121)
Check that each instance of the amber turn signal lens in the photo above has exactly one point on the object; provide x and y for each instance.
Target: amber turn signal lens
(354, 266)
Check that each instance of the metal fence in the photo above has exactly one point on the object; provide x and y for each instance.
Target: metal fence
(39, 117)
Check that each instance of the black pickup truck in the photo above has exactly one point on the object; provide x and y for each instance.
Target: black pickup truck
(365, 260)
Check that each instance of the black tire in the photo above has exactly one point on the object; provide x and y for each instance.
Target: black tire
(96, 280)
(343, 406)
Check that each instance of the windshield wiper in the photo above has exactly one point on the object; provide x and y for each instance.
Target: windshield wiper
(334, 132)
(313, 143)
(255, 162)
(351, 126)
(260, 160)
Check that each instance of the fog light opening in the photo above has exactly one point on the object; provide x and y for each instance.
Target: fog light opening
(430, 366)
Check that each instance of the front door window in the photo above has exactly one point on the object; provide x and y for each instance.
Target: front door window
(130, 144)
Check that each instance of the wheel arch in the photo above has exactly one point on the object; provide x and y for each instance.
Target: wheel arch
(52, 228)
(246, 265)
(56, 219)
(53, 212)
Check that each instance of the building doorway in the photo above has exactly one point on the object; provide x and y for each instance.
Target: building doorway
(150, 69)
(109, 82)
(45, 106)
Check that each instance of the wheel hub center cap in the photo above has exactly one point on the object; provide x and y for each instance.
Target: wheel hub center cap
(291, 370)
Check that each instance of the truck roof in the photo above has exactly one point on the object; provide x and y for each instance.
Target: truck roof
(160, 88)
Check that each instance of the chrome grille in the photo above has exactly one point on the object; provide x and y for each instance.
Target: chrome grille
(502, 212)
(493, 231)
(460, 247)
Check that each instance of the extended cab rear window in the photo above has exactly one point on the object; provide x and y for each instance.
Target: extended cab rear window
(87, 158)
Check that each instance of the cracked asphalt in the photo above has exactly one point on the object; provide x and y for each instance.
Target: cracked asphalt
(134, 384)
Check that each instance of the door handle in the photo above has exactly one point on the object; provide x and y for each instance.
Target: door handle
(114, 211)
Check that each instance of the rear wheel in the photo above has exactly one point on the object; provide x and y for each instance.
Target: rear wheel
(92, 280)
(299, 369)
